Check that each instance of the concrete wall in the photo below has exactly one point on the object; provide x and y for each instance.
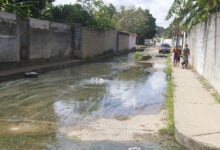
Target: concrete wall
(111, 40)
(97, 42)
(93, 42)
(123, 41)
(8, 31)
(204, 42)
(48, 39)
(27, 39)
(132, 41)
(76, 40)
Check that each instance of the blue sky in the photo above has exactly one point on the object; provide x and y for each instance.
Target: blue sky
(158, 8)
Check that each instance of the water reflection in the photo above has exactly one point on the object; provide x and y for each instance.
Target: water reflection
(130, 74)
(114, 98)
(77, 95)
(159, 66)
(76, 144)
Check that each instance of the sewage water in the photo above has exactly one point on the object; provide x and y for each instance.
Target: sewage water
(35, 112)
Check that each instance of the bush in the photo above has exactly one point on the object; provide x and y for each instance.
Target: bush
(138, 56)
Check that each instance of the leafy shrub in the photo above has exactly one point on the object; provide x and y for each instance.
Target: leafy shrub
(138, 56)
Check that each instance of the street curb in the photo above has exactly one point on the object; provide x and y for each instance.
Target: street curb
(39, 68)
(191, 143)
(43, 68)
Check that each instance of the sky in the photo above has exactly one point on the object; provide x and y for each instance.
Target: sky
(158, 8)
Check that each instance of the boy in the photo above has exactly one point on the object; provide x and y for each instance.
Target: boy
(179, 54)
(175, 56)
(186, 53)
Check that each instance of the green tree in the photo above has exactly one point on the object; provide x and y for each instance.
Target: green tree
(25, 8)
(20, 8)
(190, 12)
(135, 21)
(100, 12)
(69, 14)
(130, 20)
(164, 32)
(103, 14)
(150, 25)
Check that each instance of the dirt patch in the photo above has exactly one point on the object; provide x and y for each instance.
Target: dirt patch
(117, 129)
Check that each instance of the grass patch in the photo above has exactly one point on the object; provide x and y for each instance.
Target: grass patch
(208, 87)
(169, 101)
(138, 56)
(217, 97)
(140, 46)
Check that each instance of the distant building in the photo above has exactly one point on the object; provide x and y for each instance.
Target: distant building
(148, 42)
(160, 41)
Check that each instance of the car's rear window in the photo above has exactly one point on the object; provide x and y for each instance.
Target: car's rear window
(165, 45)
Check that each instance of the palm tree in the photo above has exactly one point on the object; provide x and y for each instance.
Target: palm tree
(191, 12)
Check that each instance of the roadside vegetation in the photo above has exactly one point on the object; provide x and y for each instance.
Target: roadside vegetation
(92, 13)
(188, 13)
(208, 87)
(138, 56)
(169, 101)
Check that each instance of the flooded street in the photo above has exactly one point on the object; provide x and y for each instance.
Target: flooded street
(115, 104)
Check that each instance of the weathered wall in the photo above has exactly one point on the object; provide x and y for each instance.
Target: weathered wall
(27, 39)
(76, 40)
(93, 42)
(204, 42)
(111, 40)
(8, 44)
(132, 41)
(123, 41)
(49, 39)
(97, 42)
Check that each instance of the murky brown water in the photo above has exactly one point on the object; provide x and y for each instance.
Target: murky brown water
(33, 110)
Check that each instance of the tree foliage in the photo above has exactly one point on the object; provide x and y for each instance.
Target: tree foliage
(101, 13)
(190, 12)
(25, 8)
(164, 32)
(93, 13)
(69, 14)
(136, 21)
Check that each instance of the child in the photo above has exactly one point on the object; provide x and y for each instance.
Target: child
(186, 53)
(175, 56)
(179, 54)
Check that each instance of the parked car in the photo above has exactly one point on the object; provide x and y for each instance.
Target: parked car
(164, 48)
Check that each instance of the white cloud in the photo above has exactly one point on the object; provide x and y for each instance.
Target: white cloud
(158, 8)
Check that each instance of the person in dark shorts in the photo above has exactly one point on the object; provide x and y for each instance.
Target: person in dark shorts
(186, 53)
(175, 56)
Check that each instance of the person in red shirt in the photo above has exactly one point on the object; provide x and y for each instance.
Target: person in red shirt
(175, 56)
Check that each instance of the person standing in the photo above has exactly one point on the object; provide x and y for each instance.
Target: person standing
(179, 49)
(175, 56)
(186, 53)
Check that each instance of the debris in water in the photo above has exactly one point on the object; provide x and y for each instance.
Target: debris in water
(31, 75)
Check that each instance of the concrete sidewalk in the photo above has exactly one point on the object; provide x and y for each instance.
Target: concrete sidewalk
(197, 115)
